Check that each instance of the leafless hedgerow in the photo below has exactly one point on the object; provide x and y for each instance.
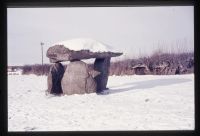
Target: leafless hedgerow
(157, 64)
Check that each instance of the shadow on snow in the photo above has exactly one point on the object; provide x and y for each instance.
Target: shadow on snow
(146, 84)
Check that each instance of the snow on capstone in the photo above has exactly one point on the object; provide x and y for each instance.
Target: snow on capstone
(85, 44)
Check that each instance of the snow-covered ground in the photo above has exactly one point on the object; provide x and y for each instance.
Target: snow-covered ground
(134, 103)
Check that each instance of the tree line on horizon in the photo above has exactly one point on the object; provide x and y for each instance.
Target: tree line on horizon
(157, 64)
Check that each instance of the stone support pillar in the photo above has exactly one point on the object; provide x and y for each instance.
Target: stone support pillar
(54, 78)
(102, 65)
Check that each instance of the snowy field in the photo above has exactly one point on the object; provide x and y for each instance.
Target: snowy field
(134, 103)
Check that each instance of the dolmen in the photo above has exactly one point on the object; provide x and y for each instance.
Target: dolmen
(78, 77)
(140, 69)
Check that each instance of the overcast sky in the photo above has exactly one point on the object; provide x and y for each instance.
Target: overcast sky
(133, 30)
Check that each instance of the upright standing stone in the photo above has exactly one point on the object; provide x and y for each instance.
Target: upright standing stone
(77, 79)
(102, 65)
(54, 78)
